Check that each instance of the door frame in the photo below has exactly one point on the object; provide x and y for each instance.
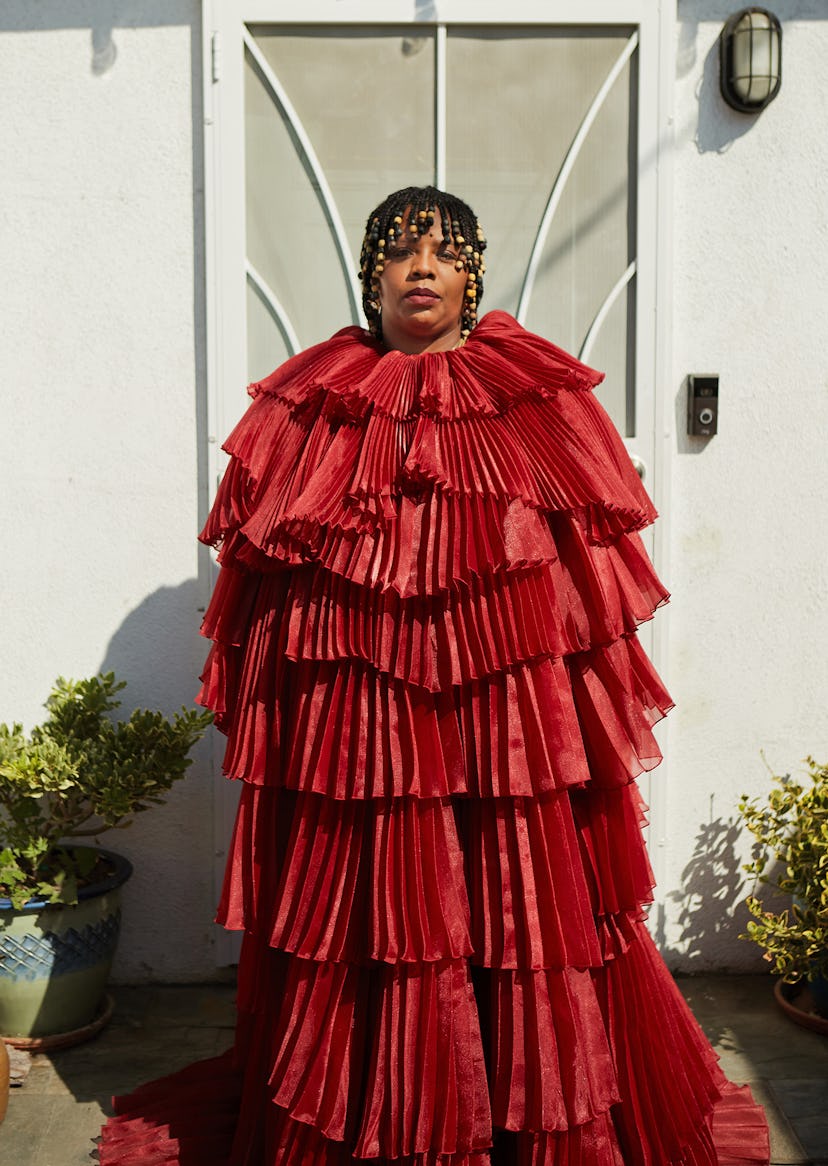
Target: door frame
(223, 24)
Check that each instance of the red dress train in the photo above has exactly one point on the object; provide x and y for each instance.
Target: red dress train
(426, 665)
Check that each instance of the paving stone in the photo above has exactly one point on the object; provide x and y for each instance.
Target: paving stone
(59, 1133)
(805, 1102)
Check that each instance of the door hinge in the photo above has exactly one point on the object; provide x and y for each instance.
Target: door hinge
(215, 57)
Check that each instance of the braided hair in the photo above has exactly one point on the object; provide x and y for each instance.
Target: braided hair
(422, 205)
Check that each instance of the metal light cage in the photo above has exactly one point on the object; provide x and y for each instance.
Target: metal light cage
(750, 59)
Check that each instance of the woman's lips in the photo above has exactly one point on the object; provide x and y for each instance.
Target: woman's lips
(421, 295)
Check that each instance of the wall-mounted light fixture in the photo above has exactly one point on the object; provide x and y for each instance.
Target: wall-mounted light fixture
(750, 59)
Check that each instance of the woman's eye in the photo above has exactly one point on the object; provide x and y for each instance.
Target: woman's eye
(449, 255)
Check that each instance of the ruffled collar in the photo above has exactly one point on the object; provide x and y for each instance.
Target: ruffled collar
(499, 363)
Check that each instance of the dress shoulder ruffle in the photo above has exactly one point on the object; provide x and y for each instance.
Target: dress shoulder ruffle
(416, 474)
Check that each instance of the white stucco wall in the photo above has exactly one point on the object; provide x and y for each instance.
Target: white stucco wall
(102, 357)
(748, 562)
(102, 353)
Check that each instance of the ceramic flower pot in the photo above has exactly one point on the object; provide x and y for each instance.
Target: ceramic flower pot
(55, 960)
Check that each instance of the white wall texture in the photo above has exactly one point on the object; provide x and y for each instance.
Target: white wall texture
(748, 567)
(103, 356)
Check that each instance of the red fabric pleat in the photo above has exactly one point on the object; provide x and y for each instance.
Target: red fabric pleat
(380, 880)
(594, 1143)
(740, 1132)
(665, 1116)
(619, 698)
(311, 1066)
(551, 1062)
(428, 1034)
(254, 726)
(530, 903)
(358, 733)
(425, 662)
(609, 825)
(520, 732)
(244, 871)
(293, 1143)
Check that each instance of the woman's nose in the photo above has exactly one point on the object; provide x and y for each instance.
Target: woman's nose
(422, 264)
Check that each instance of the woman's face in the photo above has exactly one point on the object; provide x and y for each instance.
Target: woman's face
(421, 292)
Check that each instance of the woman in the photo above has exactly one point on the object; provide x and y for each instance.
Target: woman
(425, 662)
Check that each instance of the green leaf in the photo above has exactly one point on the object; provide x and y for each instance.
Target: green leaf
(790, 829)
(81, 773)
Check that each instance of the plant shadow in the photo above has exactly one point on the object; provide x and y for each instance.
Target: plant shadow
(700, 927)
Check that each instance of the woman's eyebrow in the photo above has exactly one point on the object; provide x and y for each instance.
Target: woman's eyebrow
(412, 241)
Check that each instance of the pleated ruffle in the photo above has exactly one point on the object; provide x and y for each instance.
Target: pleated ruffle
(577, 1066)
(348, 731)
(670, 1083)
(499, 881)
(419, 476)
(425, 662)
(551, 1061)
(609, 825)
(416, 1030)
(740, 1131)
(594, 1143)
(586, 595)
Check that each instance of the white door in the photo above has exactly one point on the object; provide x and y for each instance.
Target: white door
(544, 116)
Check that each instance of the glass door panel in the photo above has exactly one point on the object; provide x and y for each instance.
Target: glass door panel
(516, 101)
(539, 126)
(363, 99)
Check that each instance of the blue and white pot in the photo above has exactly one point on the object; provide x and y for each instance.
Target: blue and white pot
(55, 960)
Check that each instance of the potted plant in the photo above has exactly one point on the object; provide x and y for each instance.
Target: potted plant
(790, 827)
(76, 775)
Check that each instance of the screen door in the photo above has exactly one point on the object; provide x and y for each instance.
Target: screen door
(544, 116)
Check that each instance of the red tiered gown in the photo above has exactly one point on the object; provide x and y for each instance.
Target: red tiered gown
(426, 665)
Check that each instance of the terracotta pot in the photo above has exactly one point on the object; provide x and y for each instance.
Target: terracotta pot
(818, 988)
(797, 1002)
(55, 960)
(4, 1079)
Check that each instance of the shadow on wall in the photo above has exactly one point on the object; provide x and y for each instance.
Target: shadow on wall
(711, 909)
(104, 49)
(101, 17)
(157, 648)
(718, 125)
(712, 913)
